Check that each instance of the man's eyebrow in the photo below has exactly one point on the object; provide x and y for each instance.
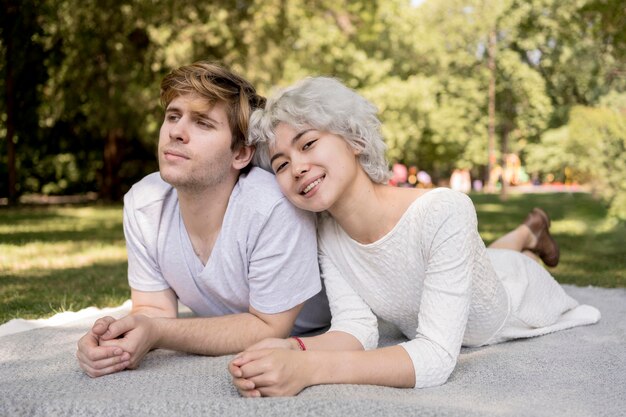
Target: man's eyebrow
(194, 114)
(204, 115)
(293, 140)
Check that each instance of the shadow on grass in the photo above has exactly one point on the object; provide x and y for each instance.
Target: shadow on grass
(39, 293)
(101, 234)
(49, 224)
(597, 259)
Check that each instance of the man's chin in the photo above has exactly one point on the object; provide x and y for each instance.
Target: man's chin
(172, 179)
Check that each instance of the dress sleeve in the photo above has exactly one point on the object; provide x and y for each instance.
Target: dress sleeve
(350, 314)
(143, 270)
(444, 306)
(283, 270)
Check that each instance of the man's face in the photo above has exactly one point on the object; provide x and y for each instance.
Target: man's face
(194, 144)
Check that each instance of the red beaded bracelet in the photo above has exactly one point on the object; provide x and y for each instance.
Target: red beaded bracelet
(300, 342)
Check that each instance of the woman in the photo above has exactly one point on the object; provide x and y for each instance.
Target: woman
(411, 257)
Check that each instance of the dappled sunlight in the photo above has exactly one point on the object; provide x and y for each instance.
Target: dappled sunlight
(582, 226)
(63, 220)
(490, 208)
(575, 227)
(61, 255)
(489, 236)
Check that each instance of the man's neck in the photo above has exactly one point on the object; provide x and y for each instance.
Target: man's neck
(203, 211)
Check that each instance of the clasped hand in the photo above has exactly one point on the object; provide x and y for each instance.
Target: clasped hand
(270, 368)
(114, 345)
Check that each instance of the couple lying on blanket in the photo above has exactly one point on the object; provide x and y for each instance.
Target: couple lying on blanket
(219, 236)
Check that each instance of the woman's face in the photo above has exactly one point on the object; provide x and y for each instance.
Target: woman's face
(313, 168)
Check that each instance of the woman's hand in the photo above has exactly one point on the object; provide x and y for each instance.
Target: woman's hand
(274, 343)
(271, 372)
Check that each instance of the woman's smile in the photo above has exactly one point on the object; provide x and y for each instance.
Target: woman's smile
(312, 186)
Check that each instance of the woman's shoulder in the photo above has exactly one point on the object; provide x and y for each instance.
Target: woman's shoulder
(446, 197)
(441, 206)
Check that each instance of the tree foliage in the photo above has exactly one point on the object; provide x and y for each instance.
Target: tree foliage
(84, 108)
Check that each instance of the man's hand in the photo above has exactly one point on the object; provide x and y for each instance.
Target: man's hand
(96, 359)
(135, 334)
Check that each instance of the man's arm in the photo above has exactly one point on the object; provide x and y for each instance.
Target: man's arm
(205, 336)
(154, 303)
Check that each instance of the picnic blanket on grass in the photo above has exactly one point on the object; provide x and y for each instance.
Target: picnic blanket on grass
(575, 372)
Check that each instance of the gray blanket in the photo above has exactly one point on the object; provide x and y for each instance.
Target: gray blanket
(576, 372)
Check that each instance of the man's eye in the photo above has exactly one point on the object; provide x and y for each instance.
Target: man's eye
(171, 117)
(308, 144)
(204, 123)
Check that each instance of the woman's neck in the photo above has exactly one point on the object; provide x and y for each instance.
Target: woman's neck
(367, 211)
(363, 210)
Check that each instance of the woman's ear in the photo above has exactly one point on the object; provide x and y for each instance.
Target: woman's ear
(243, 156)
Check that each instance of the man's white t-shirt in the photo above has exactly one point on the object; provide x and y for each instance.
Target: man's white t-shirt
(265, 255)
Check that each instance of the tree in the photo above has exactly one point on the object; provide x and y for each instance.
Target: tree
(22, 75)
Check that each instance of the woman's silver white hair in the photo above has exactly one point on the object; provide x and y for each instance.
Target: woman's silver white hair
(324, 104)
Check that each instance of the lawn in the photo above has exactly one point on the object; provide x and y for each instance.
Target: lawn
(59, 258)
(55, 259)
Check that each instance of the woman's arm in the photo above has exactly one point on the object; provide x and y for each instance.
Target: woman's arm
(428, 359)
(286, 372)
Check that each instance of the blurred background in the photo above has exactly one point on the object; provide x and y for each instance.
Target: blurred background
(80, 82)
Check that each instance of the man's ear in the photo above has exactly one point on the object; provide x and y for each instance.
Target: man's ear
(243, 156)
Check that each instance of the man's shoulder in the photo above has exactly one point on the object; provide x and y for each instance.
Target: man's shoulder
(149, 190)
(258, 199)
(259, 189)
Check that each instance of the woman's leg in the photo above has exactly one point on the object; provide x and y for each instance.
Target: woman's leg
(518, 239)
(532, 237)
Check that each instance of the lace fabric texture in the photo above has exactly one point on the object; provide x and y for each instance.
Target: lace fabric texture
(433, 278)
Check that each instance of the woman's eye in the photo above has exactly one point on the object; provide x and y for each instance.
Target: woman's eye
(308, 144)
(280, 167)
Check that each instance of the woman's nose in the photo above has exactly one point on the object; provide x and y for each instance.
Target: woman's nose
(300, 168)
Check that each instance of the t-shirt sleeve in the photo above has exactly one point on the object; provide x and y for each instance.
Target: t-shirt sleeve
(143, 269)
(444, 306)
(283, 269)
(350, 313)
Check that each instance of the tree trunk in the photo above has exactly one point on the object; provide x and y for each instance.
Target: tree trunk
(110, 189)
(505, 150)
(491, 50)
(10, 123)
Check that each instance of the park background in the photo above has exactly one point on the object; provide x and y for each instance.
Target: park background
(460, 84)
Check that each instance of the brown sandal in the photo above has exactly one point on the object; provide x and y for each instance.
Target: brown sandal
(546, 247)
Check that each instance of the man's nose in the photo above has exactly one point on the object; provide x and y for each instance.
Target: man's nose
(179, 131)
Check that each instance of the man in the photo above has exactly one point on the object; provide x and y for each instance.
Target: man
(212, 233)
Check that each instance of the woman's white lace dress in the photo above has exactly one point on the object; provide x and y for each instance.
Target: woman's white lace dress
(433, 278)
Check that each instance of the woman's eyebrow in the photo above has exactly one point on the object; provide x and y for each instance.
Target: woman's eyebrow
(299, 135)
(293, 140)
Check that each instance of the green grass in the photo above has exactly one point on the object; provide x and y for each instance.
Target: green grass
(592, 245)
(55, 258)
